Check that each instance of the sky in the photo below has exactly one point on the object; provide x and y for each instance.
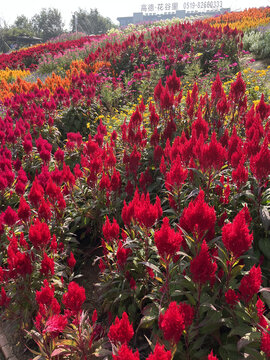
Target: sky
(9, 10)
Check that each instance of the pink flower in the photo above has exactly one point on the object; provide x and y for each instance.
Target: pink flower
(55, 325)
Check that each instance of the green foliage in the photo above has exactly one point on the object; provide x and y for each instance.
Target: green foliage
(257, 43)
(90, 22)
(48, 23)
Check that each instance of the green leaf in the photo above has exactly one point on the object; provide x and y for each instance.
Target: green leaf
(58, 351)
(147, 321)
(151, 266)
(240, 330)
(265, 217)
(247, 339)
(264, 245)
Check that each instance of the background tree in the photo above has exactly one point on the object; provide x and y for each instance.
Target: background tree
(90, 22)
(24, 24)
(48, 23)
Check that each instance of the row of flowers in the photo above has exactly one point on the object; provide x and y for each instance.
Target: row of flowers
(28, 58)
(149, 260)
(242, 20)
(177, 194)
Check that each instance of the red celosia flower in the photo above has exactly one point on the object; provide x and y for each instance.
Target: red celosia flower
(199, 218)
(110, 230)
(158, 90)
(265, 343)
(134, 160)
(125, 353)
(55, 325)
(211, 356)
(94, 316)
(121, 331)
(231, 297)
(53, 245)
(238, 88)
(260, 163)
(260, 311)
(39, 234)
(10, 216)
(250, 284)
(212, 155)
(235, 144)
(200, 126)
(71, 260)
(5, 300)
(44, 210)
(144, 212)
(74, 298)
(240, 175)
(101, 265)
(168, 241)
(172, 323)
(131, 280)
(24, 210)
(176, 176)
(262, 108)
(47, 265)
(22, 263)
(77, 171)
(188, 314)
(201, 267)
(122, 254)
(38, 322)
(52, 189)
(217, 90)
(104, 182)
(20, 188)
(173, 82)
(154, 118)
(116, 181)
(235, 236)
(160, 353)
(36, 193)
(46, 295)
(1, 274)
(68, 177)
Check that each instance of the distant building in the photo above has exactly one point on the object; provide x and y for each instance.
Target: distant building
(140, 17)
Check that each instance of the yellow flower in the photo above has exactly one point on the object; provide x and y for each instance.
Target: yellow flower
(256, 102)
(256, 88)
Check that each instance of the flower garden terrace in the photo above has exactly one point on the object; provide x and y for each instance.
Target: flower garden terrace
(175, 190)
(242, 20)
(27, 59)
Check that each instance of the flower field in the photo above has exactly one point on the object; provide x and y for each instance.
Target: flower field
(150, 148)
(242, 20)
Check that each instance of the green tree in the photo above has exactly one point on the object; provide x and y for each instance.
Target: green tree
(48, 23)
(90, 22)
(23, 23)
